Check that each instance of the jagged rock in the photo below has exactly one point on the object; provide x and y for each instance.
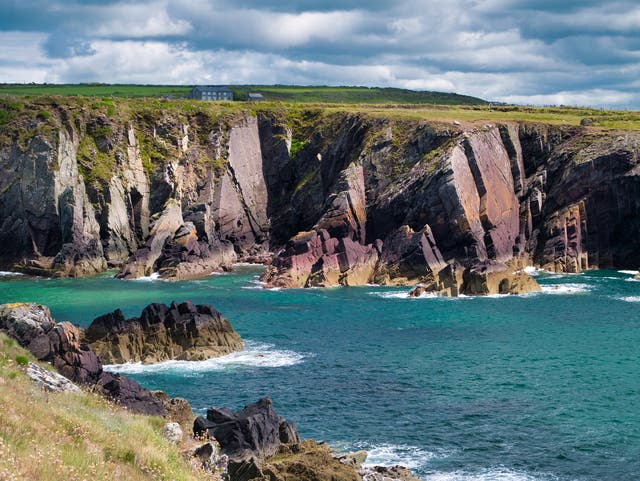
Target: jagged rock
(178, 410)
(315, 259)
(179, 331)
(58, 343)
(210, 459)
(305, 461)
(50, 381)
(172, 432)
(256, 431)
(129, 394)
(383, 473)
(490, 278)
(355, 459)
(143, 262)
(186, 257)
(408, 256)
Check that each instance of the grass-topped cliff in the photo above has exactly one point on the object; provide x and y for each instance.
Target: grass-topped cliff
(65, 436)
(185, 187)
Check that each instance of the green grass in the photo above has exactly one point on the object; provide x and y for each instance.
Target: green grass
(66, 436)
(277, 93)
(96, 90)
(353, 95)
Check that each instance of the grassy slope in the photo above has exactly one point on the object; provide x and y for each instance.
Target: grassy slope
(271, 93)
(61, 436)
(12, 107)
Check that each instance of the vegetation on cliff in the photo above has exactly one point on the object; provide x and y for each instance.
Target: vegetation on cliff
(94, 439)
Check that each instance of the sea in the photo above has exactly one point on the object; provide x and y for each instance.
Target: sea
(534, 387)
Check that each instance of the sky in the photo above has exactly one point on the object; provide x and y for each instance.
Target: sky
(540, 52)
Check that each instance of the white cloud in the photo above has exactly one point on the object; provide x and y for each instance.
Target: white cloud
(509, 50)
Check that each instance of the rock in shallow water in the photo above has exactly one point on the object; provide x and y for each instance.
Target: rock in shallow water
(179, 331)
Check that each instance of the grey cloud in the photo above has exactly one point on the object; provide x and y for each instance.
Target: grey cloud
(499, 49)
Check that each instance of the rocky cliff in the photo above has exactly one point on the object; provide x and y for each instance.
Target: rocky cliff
(326, 197)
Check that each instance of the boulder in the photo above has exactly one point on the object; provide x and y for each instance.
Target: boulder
(129, 394)
(384, 473)
(257, 431)
(179, 331)
(50, 381)
(172, 432)
(57, 343)
(178, 410)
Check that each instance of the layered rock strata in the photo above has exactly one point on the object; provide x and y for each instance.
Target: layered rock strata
(341, 198)
(180, 331)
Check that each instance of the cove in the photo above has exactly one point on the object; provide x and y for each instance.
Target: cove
(536, 387)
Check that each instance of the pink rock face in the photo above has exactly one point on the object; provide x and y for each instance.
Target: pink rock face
(565, 249)
(314, 259)
(487, 204)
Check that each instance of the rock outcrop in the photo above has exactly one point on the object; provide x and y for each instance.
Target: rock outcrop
(50, 381)
(305, 461)
(180, 331)
(340, 198)
(257, 431)
(59, 344)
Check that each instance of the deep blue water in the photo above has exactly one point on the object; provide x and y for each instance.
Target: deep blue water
(539, 387)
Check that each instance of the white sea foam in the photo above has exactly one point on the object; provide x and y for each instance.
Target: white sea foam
(255, 354)
(404, 295)
(411, 457)
(391, 295)
(248, 264)
(495, 474)
(10, 274)
(629, 298)
(532, 270)
(153, 277)
(632, 279)
(565, 288)
(631, 273)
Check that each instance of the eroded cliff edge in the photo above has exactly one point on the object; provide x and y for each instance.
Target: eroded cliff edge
(327, 197)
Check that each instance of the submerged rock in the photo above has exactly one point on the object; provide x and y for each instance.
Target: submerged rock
(383, 473)
(256, 431)
(179, 331)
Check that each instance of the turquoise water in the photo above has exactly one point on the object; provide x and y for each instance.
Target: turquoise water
(539, 387)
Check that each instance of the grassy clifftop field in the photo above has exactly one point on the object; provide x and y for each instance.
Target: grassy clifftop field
(66, 436)
(276, 93)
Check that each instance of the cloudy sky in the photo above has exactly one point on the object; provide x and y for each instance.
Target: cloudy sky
(574, 52)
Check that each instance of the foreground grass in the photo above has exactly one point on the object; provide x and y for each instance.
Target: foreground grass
(75, 437)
